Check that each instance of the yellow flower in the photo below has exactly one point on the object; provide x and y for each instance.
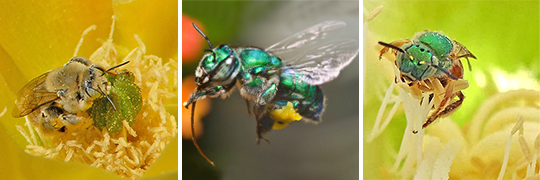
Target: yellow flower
(40, 36)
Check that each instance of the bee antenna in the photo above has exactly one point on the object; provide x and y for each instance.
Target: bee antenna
(393, 47)
(109, 99)
(444, 71)
(200, 32)
(193, 133)
(114, 67)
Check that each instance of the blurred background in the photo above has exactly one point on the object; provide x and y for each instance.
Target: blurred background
(300, 151)
(503, 35)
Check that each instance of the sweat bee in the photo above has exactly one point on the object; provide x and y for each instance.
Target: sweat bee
(429, 61)
(284, 90)
(54, 98)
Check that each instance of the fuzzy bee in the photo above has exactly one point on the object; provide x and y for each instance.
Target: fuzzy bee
(57, 96)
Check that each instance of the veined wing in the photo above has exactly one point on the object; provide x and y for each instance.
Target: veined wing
(308, 37)
(323, 63)
(32, 96)
(460, 51)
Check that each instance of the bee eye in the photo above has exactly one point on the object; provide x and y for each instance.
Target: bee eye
(422, 49)
(224, 69)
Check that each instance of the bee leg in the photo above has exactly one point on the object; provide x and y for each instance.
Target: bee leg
(264, 123)
(199, 95)
(447, 110)
(51, 116)
(267, 95)
(71, 118)
(247, 105)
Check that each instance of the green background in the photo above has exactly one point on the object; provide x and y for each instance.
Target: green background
(503, 35)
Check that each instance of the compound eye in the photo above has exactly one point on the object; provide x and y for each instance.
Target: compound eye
(224, 69)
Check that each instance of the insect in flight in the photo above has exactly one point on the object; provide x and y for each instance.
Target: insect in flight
(56, 96)
(277, 86)
(430, 59)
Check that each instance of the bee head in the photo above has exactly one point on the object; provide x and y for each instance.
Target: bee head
(96, 83)
(218, 66)
(417, 61)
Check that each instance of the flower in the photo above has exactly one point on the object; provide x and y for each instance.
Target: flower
(44, 37)
(192, 41)
(470, 143)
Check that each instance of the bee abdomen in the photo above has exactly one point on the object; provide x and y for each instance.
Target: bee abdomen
(308, 99)
(313, 107)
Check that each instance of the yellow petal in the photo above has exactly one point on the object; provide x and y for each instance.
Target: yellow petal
(39, 36)
(156, 23)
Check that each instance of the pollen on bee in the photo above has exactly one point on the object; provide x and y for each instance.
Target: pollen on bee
(284, 116)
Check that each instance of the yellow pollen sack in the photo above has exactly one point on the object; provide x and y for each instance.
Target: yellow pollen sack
(284, 116)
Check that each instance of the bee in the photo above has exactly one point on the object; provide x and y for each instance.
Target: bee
(431, 59)
(54, 98)
(284, 90)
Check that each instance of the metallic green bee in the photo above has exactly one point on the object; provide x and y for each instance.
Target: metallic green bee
(284, 90)
(429, 57)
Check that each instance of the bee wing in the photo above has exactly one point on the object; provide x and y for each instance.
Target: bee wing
(307, 37)
(32, 96)
(462, 52)
(322, 64)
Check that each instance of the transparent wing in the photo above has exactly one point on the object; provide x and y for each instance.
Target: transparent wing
(32, 96)
(323, 63)
(317, 52)
(307, 37)
(460, 51)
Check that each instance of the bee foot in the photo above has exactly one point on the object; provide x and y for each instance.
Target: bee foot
(71, 118)
(259, 139)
